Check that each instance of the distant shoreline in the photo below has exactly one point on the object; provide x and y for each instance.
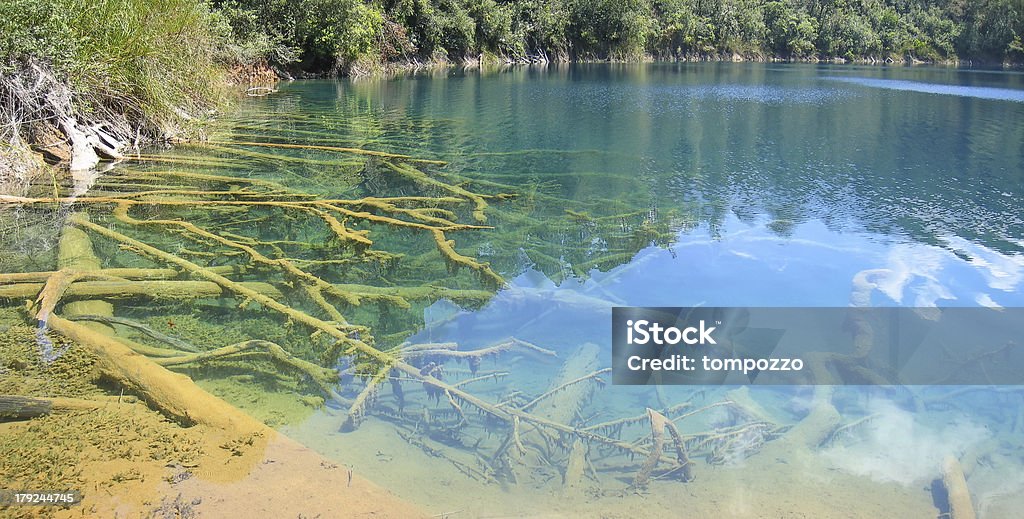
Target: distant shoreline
(358, 71)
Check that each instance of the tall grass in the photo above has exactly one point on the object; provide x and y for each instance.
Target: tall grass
(151, 62)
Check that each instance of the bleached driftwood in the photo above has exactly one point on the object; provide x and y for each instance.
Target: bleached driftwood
(83, 156)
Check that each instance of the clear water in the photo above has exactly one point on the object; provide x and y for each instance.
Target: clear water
(661, 185)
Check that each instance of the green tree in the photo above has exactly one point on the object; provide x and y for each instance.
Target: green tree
(791, 30)
(609, 28)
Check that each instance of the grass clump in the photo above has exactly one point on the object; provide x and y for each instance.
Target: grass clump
(148, 67)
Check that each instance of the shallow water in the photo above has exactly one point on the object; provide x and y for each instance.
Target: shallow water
(641, 185)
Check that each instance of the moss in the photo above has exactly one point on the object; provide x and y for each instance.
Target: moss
(30, 457)
(72, 375)
(196, 331)
(250, 382)
(91, 450)
(273, 406)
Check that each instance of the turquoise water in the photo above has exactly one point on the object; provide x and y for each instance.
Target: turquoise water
(634, 185)
(779, 183)
(768, 185)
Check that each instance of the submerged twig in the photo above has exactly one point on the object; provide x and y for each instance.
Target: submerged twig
(173, 341)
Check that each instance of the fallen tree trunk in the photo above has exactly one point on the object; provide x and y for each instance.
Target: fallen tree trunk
(75, 254)
(659, 424)
(25, 285)
(270, 452)
(819, 423)
(564, 398)
(572, 480)
(176, 395)
(256, 445)
(122, 273)
(135, 289)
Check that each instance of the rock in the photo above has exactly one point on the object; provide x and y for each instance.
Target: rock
(256, 74)
(47, 140)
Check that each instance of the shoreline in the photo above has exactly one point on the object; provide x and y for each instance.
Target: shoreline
(80, 147)
(372, 71)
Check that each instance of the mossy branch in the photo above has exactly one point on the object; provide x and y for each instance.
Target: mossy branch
(324, 377)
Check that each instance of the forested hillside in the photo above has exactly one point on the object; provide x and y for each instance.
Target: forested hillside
(324, 33)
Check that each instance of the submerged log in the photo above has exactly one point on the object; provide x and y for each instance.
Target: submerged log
(563, 401)
(959, 496)
(657, 446)
(802, 439)
(22, 408)
(26, 285)
(174, 342)
(573, 479)
(278, 464)
(134, 289)
(659, 424)
(122, 273)
(75, 253)
(747, 407)
(820, 422)
(568, 393)
(157, 283)
(176, 395)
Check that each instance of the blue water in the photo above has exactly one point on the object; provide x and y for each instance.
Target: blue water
(714, 185)
(634, 185)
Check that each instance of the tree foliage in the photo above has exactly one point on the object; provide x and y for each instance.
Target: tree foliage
(326, 35)
(345, 30)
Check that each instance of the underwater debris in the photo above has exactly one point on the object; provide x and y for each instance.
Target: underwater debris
(364, 399)
(844, 432)
(958, 495)
(659, 424)
(176, 508)
(574, 468)
(20, 408)
(193, 237)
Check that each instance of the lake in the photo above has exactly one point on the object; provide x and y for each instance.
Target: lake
(571, 189)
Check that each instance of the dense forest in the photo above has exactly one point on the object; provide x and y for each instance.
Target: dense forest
(338, 33)
(332, 35)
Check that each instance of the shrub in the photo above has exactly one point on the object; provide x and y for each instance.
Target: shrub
(151, 60)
